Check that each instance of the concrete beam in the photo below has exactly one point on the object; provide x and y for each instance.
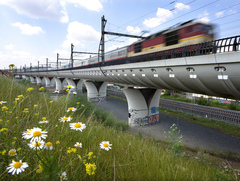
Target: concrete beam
(96, 91)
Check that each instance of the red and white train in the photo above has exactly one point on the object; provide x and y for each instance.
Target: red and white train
(184, 34)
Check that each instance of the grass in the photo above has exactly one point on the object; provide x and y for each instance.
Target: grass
(131, 157)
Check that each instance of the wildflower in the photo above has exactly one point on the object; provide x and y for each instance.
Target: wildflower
(20, 97)
(2, 102)
(35, 134)
(35, 105)
(38, 171)
(3, 129)
(63, 176)
(69, 87)
(78, 145)
(79, 156)
(78, 103)
(74, 93)
(65, 119)
(4, 108)
(82, 105)
(41, 89)
(19, 149)
(0, 120)
(42, 122)
(90, 168)
(90, 155)
(56, 92)
(57, 142)
(105, 145)
(71, 109)
(48, 146)
(44, 118)
(29, 89)
(16, 117)
(71, 150)
(3, 152)
(36, 145)
(13, 142)
(26, 110)
(50, 102)
(17, 167)
(12, 152)
(77, 126)
(67, 90)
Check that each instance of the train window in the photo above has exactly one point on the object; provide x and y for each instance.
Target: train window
(172, 38)
(138, 47)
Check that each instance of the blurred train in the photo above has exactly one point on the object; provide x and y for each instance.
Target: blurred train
(187, 33)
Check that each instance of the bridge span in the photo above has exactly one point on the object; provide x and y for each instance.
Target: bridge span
(210, 68)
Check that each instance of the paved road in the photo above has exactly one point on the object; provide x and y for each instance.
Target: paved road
(194, 135)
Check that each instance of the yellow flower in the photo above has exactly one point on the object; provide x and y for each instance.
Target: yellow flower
(29, 89)
(3, 129)
(19, 149)
(16, 117)
(20, 96)
(69, 87)
(26, 110)
(57, 142)
(4, 108)
(13, 142)
(78, 103)
(90, 168)
(38, 171)
(3, 152)
(44, 118)
(50, 102)
(90, 155)
(35, 105)
(41, 89)
(0, 120)
(67, 90)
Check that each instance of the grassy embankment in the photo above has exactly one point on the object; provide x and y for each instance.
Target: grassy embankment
(130, 157)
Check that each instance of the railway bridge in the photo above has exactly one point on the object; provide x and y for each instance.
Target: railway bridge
(210, 68)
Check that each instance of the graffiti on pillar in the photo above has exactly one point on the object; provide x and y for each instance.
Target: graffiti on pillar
(153, 119)
(98, 99)
(140, 121)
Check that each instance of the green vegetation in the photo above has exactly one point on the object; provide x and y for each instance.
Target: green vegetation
(58, 155)
(201, 101)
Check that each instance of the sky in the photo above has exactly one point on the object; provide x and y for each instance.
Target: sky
(36, 30)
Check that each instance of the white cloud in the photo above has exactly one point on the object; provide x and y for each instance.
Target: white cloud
(133, 30)
(28, 29)
(35, 9)
(9, 47)
(93, 5)
(204, 17)
(79, 33)
(219, 14)
(162, 16)
(181, 6)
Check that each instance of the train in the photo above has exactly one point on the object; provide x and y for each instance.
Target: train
(184, 34)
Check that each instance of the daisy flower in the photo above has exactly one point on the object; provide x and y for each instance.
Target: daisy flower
(74, 93)
(78, 145)
(36, 134)
(48, 146)
(12, 152)
(56, 92)
(65, 119)
(3, 102)
(37, 145)
(63, 176)
(105, 145)
(17, 167)
(77, 126)
(43, 121)
(71, 109)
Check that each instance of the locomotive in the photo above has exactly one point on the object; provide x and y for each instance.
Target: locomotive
(187, 33)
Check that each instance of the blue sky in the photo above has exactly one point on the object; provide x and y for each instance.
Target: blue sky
(32, 31)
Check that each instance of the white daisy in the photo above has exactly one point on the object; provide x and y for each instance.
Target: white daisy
(12, 152)
(65, 119)
(36, 134)
(74, 93)
(71, 109)
(56, 92)
(43, 122)
(48, 146)
(3, 102)
(17, 167)
(105, 145)
(63, 176)
(78, 145)
(37, 145)
(26, 134)
(77, 126)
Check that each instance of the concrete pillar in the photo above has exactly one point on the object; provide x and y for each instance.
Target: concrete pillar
(47, 81)
(143, 105)
(96, 91)
(58, 82)
(39, 81)
(52, 82)
(72, 84)
(43, 81)
(32, 79)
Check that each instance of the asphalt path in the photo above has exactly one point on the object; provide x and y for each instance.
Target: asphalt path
(194, 135)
